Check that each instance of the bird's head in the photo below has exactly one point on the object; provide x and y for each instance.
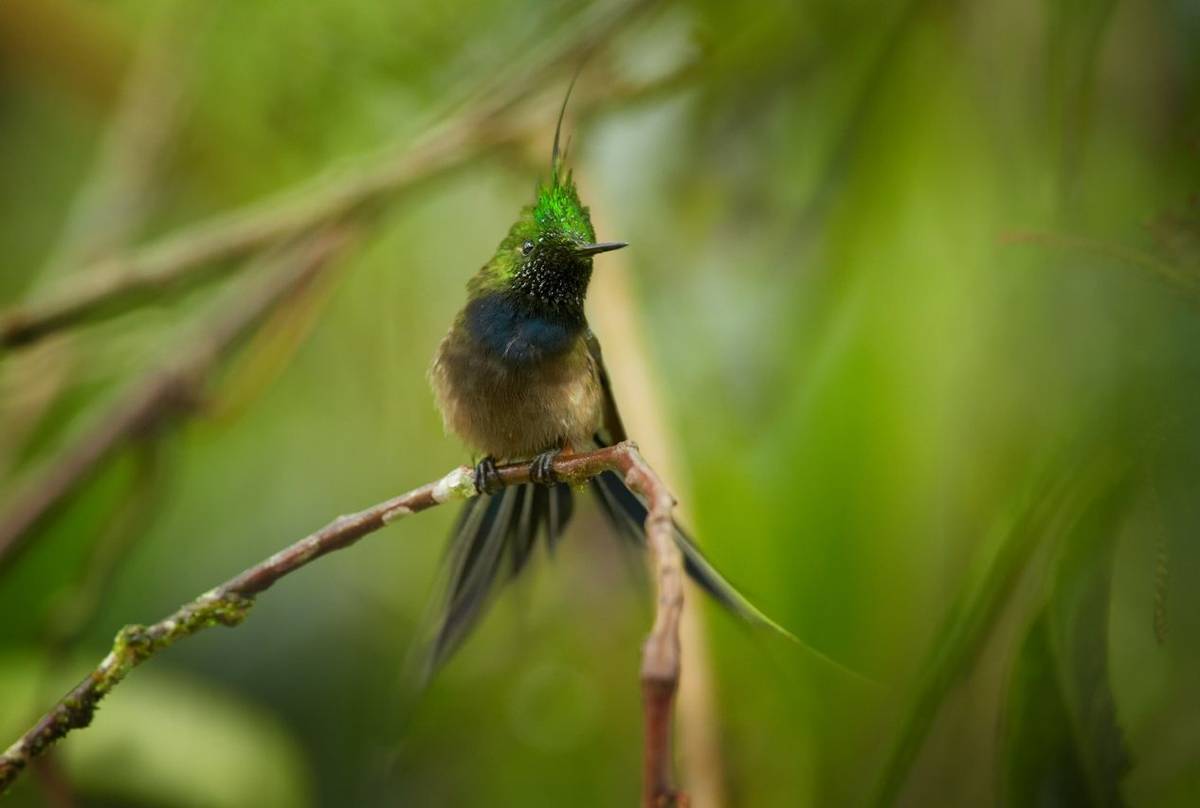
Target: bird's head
(551, 246)
(545, 261)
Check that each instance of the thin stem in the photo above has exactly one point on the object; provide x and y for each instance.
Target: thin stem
(1166, 272)
(661, 651)
(229, 604)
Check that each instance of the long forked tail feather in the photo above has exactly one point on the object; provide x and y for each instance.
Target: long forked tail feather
(628, 513)
(507, 525)
(489, 530)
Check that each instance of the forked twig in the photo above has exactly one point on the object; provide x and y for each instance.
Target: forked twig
(229, 603)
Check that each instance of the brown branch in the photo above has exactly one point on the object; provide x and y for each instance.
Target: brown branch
(229, 603)
(699, 754)
(164, 393)
(660, 652)
(195, 254)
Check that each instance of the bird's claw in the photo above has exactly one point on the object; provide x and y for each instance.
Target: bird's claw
(487, 479)
(541, 469)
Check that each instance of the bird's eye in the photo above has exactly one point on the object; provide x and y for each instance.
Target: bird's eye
(527, 248)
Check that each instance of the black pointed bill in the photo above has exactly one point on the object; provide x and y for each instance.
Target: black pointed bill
(595, 249)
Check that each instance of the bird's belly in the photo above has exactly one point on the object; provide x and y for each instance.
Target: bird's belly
(514, 412)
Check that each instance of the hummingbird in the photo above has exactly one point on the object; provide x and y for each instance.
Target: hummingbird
(520, 377)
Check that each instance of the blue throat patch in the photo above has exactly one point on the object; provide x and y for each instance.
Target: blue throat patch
(514, 334)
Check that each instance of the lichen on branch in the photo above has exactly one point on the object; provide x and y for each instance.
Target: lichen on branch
(229, 604)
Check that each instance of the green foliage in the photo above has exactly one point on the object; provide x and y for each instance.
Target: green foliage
(1057, 509)
(877, 399)
(1063, 744)
(176, 742)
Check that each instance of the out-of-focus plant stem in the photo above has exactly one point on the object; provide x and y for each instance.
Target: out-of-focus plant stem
(164, 393)
(1167, 273)
(110, 206)
(198, 252)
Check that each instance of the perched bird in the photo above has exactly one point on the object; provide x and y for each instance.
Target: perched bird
(520, 377)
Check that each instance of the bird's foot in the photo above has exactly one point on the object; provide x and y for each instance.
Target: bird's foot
(487, 479)
(541, 469)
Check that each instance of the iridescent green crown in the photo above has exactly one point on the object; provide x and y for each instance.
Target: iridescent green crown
(558, 208)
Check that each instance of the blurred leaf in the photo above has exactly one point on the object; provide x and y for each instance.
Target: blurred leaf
(1062, 744)
(856, 377)
(272, 348)
(1075, 36)
(1057, 504)
(163, 739)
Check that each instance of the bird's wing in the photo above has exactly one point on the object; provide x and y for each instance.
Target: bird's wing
(611, 430)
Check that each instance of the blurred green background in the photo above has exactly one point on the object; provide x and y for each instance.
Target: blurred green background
(913, 288)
